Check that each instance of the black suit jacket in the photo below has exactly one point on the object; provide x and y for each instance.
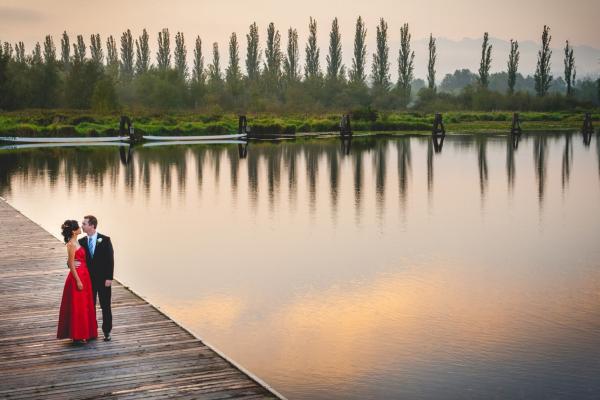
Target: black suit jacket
(102, 265)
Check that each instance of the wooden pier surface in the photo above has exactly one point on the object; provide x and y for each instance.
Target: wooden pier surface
(149, 357)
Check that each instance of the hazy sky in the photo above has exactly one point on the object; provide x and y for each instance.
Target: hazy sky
(30, 20)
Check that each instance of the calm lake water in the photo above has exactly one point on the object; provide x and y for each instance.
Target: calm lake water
(396, 268)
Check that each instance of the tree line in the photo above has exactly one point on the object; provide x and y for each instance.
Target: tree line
(105, 76)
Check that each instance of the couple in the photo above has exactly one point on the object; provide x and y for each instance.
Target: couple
(91, 264)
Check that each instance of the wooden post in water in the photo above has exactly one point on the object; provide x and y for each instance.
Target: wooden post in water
(124, 121)
(516, 125)
(587, 128)
(126, 129)
(438, 125)
(242, 125)
(345, 127)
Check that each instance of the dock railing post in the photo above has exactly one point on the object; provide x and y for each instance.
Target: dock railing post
(438, 125)
(516, 125)
(345, 127)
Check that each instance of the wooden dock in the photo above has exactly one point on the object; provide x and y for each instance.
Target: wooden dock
(149, 357)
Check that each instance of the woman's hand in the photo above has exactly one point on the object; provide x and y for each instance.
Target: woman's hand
(79, 286)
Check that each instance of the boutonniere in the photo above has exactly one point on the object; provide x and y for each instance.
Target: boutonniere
(99, 240)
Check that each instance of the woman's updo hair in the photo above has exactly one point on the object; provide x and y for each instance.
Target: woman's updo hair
(68, 227)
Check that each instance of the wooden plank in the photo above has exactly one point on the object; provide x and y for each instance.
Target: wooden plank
(150, 356)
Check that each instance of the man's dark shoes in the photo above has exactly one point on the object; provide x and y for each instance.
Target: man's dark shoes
(107, 337)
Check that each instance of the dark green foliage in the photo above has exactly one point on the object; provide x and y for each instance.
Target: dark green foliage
(513, 65)
(104, 97)
(38, 80)
(81, 82)
(542, 76)
(486, 61)
(5, 92)
(364, 114)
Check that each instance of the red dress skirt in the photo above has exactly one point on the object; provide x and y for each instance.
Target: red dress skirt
(77, 318)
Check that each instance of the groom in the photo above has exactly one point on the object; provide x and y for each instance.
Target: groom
(100, 262)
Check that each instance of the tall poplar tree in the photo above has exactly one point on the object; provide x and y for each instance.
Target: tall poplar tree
(570, 73)
(214, 69)
(163, 57)
(198, 74)
(233, 74)
(272, 67)
(542, 76)
(142, 51)
(126, 56)
(180, 56)
(357, 73)
(431, 63)
(486, 62)
(112, 58)
(335, 68)
(65, 54)
(513, 65)
(312, 69)
(406, 59)
(79, 50)
(253, 53)
(380, 70)
(291, 67)
(96, 52)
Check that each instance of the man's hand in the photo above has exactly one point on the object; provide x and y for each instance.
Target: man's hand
(108, 283)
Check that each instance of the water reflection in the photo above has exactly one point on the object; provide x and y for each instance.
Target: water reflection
(511, 146)
(404, 167)
(540, 154)
(170, 165)
(346, 282)
(483, 165)
(567, 161)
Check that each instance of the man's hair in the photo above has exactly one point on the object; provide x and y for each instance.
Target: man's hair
(92, 220)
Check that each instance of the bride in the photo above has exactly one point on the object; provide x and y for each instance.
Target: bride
(77, 318)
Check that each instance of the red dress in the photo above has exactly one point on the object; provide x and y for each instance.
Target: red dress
(77, 319)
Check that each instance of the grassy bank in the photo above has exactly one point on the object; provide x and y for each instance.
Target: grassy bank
(61, 123)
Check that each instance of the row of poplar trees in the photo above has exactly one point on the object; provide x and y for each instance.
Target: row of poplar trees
(123, 73)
